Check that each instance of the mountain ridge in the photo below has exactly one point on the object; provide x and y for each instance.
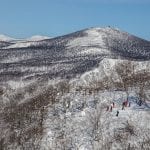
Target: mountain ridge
(72, 54)
(6, 38)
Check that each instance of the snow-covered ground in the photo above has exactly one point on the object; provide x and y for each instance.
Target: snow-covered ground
(20, 45)
(77, 122)
(37, 38)
(41, 106)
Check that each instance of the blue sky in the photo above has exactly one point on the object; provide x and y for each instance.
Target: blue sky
(24, 18)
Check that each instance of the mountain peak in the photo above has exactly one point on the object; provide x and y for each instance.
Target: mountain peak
(37, 38)
(105, 28)
(5, 38)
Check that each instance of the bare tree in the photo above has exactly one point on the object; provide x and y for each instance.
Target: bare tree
(126, 74)
(98, 125)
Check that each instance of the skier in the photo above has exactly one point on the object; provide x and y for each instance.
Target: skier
(111, 108)
(117, 113)
(107, 109)
(126, 103)
(140, 102)
(113, 104)
(129, 104)
(123, 105)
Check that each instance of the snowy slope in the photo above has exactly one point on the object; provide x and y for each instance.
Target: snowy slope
(54, 92)
(37, 38)
(20, 43)
(32, 38)
(107, 68)
(73, 54)
(4, 44)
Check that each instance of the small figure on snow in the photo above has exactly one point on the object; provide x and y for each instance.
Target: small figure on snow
(107, 108)
(111, 108)
(140, 102)
(129, 104)
(113, 104)
(117, 113)
(123, 105)
(126, 103)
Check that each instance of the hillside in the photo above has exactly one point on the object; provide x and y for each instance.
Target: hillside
(54, 93)
(70, 55)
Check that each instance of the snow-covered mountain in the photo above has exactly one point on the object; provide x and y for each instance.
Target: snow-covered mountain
(70, 55)
(5, 38)
(54, 92)
(5, 41)
(20, 43)
(37, 38)
(23, 43)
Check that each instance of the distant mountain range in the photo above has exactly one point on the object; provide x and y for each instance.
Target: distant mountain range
(9, 42)
(5, 38)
